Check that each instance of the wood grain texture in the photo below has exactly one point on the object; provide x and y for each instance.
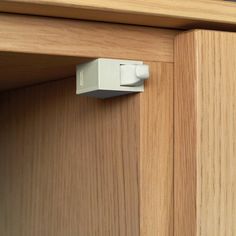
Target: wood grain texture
(69, 165)
(156, 161)
(205, 134)
(73, 165)
(39, 49)
(22, 69)
(162, 13)
(39, 35)
(185, 128)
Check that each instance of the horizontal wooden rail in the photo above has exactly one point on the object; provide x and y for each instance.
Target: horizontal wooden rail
(35, 49)
(84, 39)
(183, 14)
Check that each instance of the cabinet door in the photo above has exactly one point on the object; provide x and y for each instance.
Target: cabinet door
(205, 134)
(79, 166)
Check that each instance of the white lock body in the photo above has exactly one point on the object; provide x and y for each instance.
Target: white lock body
(104, 78)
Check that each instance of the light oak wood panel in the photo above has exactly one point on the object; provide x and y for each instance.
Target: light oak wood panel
(205, 134)
(73, 165)
(22, 69)
(37, 49)
(69, 164)
(51, 36)
(163, 13)
(156, 161)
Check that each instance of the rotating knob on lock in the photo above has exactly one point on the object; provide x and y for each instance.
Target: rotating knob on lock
(133, 75)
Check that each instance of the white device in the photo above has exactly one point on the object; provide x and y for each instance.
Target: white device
(104, 78)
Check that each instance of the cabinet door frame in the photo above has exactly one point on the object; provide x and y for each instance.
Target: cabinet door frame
(204, 155)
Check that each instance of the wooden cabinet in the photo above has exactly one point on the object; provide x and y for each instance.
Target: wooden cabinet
(205, 133)
(74, 165)
(157, 163)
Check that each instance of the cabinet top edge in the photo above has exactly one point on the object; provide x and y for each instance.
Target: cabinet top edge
(181, 14)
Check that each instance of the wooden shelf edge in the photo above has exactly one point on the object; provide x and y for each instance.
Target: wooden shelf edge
(179, 14)
(36, 49)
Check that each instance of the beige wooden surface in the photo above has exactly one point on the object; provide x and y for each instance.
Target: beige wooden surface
(165, 13)
(23, 69)
(69, 165)
(205, 134)
(156, 153)
(37, 49)
(72, 166)
(80, 166)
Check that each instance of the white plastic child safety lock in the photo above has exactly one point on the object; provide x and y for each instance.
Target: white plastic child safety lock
(104, 78)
